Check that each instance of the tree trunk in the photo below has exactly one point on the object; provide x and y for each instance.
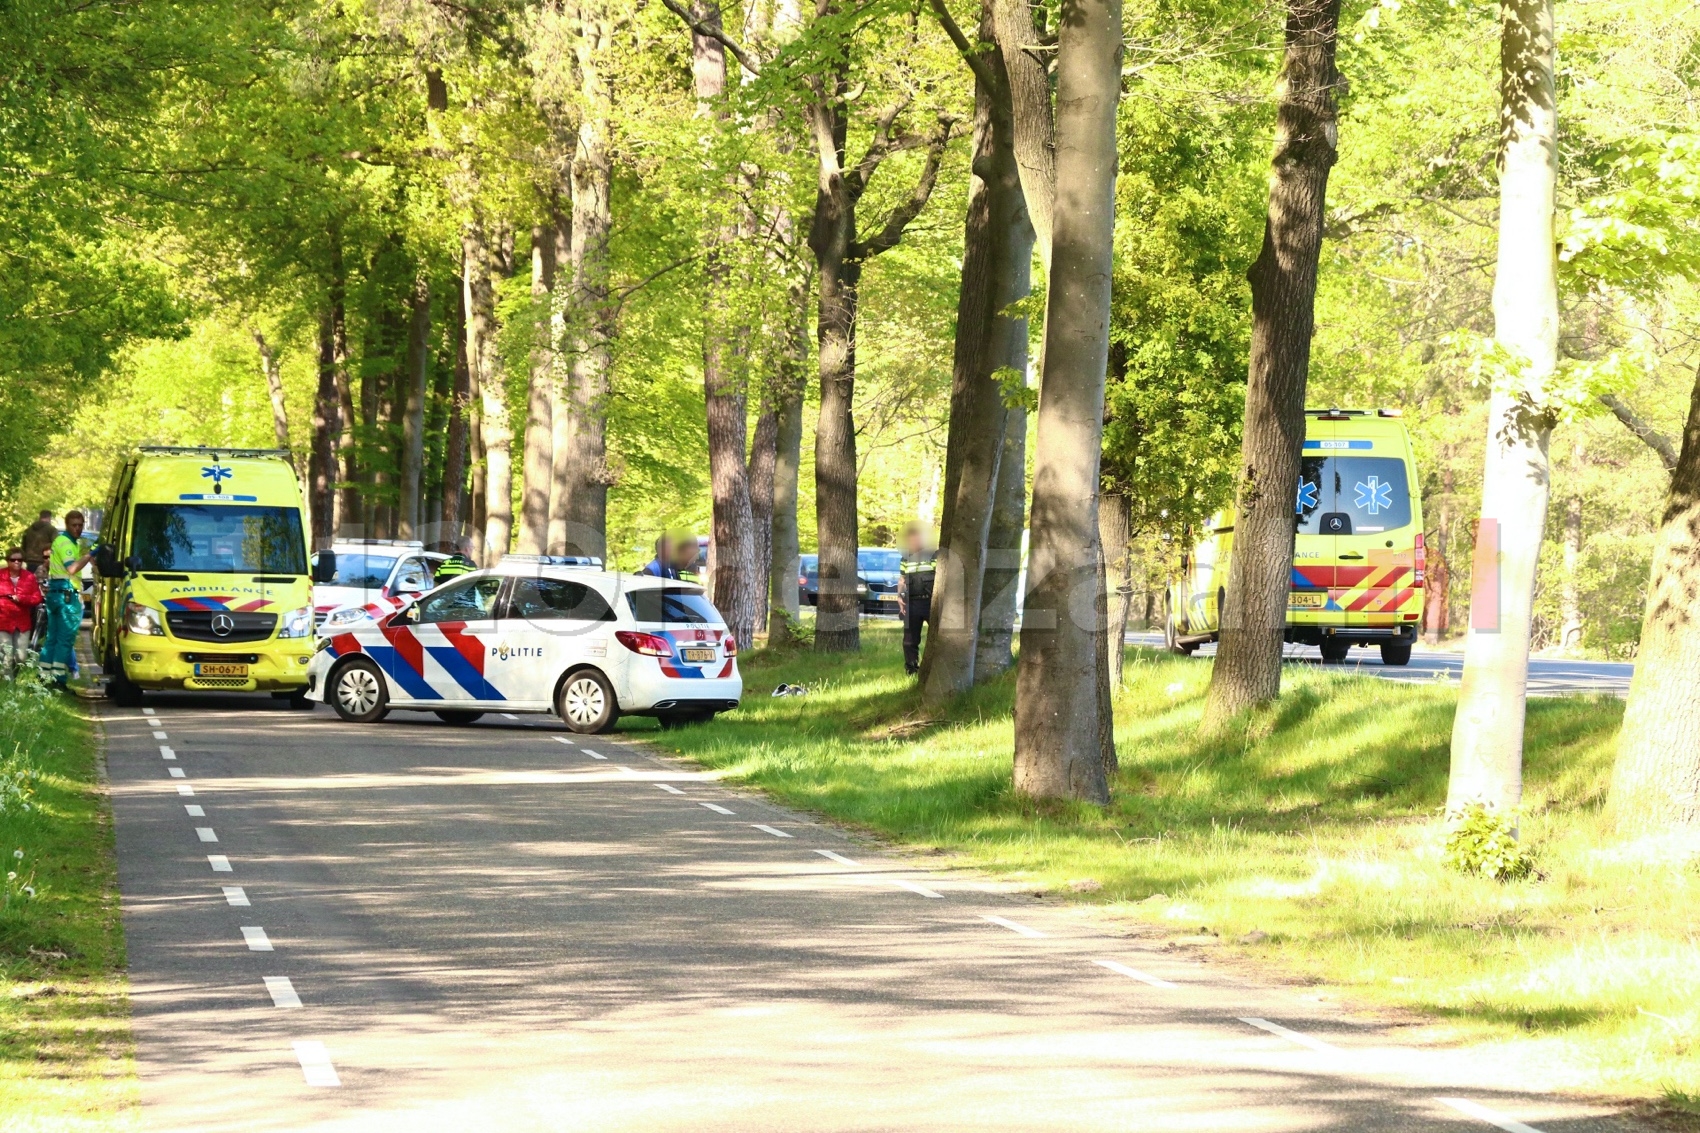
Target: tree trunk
(326, 426)
(1437, 586)
(585, 518)
(1570, 627)
(838, 609)
(764, 455)
(1060, 729)
(273, 373)
(1034, 141)
(1000, 592)
(411, 517)
(787, 458)
(560, 393)
(495, 427)
(456, 448)
(1113, 533)
(1487, 733)
(996, 271)
(539, 457)
(1655, 785)
(1283, 302)
(347, 506)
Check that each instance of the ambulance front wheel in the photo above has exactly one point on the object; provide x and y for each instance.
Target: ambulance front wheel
(1395, 653)
(586, 703)
(1171, 635)
(358, 693)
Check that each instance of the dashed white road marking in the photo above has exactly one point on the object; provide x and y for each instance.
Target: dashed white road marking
(1291, 1036)
(624, 770)
(283, 992)
(563, 740)
(166, 753)
(1483, 1113)
(777, 833)
(592, 754)
(316, 1063)
(1014, 926)
(839, 858)
(256, 938)
(1132, 973)
(160, 736)
(175, 772)
(509, 716)
(717, 808)
(147, 712)
(915, 888)
(205, 834)
(219, 863)
(236, 896)
(670, 788)
(195, 809)
(184, 788)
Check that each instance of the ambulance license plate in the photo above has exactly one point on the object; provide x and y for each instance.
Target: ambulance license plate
(219, 669)
(698, 656)
(1307, 600)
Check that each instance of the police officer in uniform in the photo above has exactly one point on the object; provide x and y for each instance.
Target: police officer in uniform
(914, 593)
(455, 565)
(65, 561)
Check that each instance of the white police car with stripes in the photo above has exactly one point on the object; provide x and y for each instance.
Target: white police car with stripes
(536, 634)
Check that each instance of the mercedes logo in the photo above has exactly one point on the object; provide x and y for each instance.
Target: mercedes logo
(222, 624)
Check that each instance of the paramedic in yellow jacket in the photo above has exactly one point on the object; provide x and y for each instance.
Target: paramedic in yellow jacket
(65, 562)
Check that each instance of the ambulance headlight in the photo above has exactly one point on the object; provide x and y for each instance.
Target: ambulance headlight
(297, 623)
(143, 620)
(342, 619)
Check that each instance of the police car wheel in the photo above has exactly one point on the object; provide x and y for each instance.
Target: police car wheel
(671, 720)
(358, 693)
(460, 716)
(586, 703)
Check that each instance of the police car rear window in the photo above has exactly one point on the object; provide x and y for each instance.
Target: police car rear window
(369, 572)
(669, 605)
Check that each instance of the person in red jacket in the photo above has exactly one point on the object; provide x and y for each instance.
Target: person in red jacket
(20, 594)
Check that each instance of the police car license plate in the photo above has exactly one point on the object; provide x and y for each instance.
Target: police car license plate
(219, 669)
(1302, 600)
(697, 655)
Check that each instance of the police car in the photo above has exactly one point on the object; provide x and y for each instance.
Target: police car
(537, 635)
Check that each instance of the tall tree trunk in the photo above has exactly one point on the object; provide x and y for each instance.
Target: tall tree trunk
(585, 517)
(326, 426)
(560, 394)
(1283, 303)
(1060, 730)
(1570, 597)
(1438, 584)
(458, 446)
(1487, 732)
(495, 427)
(348, 493)
(1655, 784)
(787, 458)
(1019, 45)
(1000, 592)
(539, 418)
(1116, 538)
(838, 608)
(996, 271)
(764, 455)
(411, 515)
(273, 373)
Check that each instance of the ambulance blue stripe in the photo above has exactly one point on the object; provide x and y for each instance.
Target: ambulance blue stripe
(401, 672)
(463, 673)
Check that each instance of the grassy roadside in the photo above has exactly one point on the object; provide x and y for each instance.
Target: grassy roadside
(1307, 842)
(65, 1053)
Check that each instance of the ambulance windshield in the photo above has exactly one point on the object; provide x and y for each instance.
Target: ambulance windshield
(219, 539)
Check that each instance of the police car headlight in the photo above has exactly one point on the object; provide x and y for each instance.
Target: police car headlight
(337, 619)
(143, 620)
(297, 623)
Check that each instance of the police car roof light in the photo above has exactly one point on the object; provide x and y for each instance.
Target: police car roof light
(377, 543)
(555, 560)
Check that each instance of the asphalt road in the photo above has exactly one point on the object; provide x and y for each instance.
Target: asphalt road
(412, 926)
(1547, 676)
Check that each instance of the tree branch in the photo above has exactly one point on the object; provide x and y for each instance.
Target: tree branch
(1632, 421)
(880, 146)
(709, 32)
(900, 216)
(976, 60)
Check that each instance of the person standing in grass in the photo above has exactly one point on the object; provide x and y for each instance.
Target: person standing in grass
(20, 594)
(65, 562)
(915, 593)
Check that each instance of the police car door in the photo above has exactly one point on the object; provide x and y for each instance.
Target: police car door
(551, 625)
(454, 631)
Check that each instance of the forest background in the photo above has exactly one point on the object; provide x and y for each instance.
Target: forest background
(187, 192)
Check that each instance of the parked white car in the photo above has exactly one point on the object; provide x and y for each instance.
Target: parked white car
(534, 635)
(373, 572)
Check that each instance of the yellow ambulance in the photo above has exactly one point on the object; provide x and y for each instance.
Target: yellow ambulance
(1358, 559)
(203, 576)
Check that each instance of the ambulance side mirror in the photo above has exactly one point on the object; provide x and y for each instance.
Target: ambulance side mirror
(106, 562)
(324, 567)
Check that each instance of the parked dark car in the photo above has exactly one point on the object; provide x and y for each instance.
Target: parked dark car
(808, 582)
(878, 569)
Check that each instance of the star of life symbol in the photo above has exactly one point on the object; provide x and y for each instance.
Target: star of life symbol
(1374, 496)
(219, 475)
(1307, 496)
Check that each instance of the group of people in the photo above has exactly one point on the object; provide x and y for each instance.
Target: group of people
(43, 572)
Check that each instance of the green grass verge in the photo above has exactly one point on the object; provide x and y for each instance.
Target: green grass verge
(1311, 833)
(65, 1055)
